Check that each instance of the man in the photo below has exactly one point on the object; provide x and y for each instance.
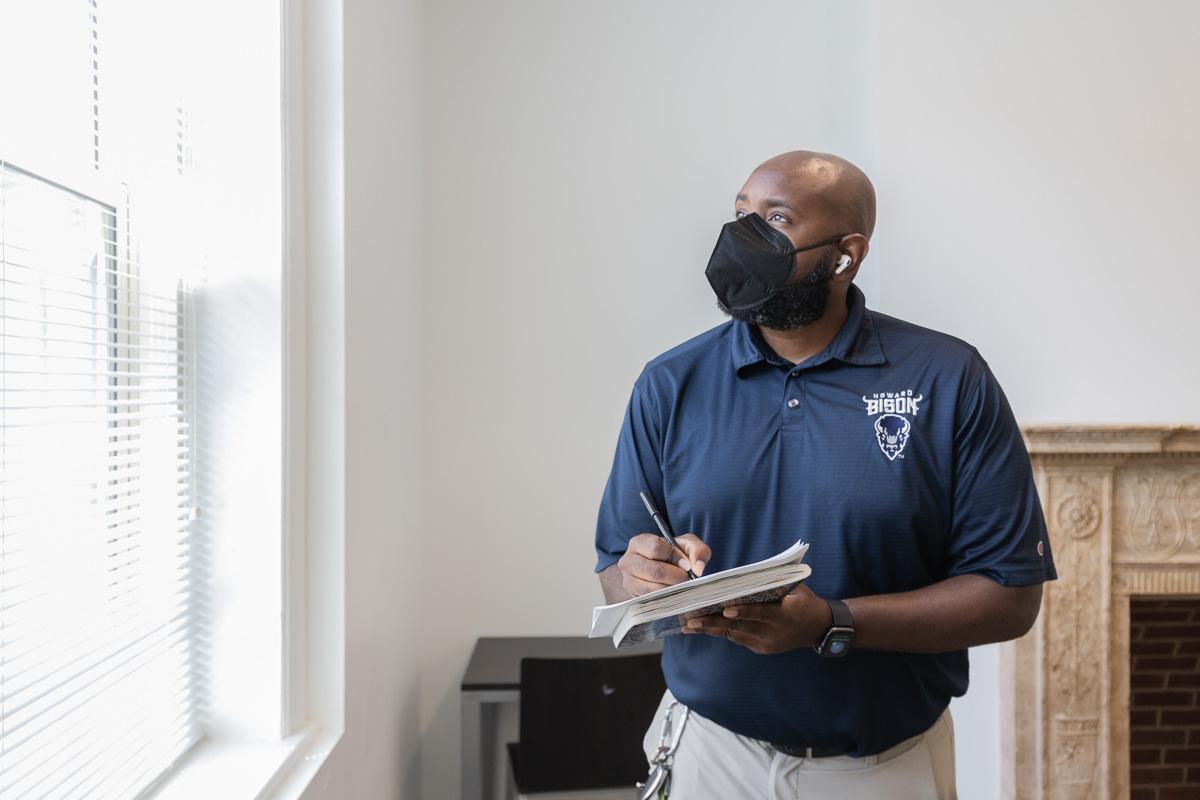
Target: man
(890, 448)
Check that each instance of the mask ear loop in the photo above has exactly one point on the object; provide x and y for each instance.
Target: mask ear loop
(834, 240)
(825, 243)
(771, 290)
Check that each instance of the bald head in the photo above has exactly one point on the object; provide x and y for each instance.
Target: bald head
(819, 184)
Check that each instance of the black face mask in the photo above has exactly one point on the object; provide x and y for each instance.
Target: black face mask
(752, 261)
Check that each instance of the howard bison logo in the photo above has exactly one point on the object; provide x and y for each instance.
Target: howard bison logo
(891, 427)
(892, 432)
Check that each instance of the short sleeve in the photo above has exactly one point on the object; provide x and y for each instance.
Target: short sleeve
(998, 529)
(637, 467)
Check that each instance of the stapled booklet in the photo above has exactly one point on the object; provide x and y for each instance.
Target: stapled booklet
(663, 612)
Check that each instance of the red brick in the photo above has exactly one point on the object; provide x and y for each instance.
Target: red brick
(1149, 680)
(1172, 615)
(1148, 699)
(1186, 663)
(1186, 648)
(1141, 737)
(1145, 718)
(1194, 736)
(1178, 717)
(1182, 755)
(1179, 792)
(1160, 632)
(1143, 794)
(1183, 680)
(1193, 776)
(1145, 776)
(1153, 648)
(1143, 756)
(1146, 602)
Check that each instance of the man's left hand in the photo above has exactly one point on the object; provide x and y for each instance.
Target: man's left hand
(796, 620)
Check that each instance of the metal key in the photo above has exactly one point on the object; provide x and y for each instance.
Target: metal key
(658, 781)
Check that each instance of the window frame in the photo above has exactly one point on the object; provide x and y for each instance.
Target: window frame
(313, 435)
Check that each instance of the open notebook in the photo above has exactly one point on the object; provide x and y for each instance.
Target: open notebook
(663, 612)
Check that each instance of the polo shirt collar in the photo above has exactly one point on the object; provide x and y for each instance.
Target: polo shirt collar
(856, 342)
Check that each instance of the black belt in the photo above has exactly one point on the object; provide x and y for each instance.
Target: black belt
(800, 751)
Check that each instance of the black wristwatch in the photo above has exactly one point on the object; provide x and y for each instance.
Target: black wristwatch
(837, 640)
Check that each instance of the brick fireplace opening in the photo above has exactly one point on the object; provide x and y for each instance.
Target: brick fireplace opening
(1164, 708)
(1099, 700)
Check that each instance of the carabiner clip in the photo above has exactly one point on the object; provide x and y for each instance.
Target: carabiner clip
(658, 782)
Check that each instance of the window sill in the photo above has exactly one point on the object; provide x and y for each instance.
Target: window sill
(248, 770)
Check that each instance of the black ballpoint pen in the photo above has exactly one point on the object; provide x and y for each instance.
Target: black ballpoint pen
(663, 527)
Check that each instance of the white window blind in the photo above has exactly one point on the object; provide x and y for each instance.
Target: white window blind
(98, 669)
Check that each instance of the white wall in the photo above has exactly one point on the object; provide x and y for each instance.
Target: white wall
(1038, 169)
(1039, 196)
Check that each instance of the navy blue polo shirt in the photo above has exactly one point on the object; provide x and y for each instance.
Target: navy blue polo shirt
(893, 452)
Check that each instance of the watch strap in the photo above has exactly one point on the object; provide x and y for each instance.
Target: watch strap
(841, 614)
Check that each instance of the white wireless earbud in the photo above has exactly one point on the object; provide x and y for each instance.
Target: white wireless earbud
(843, 262)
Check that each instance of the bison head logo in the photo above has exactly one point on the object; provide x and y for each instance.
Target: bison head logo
(892, 432)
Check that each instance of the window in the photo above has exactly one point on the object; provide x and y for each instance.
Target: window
(97, 678)
(142, 542)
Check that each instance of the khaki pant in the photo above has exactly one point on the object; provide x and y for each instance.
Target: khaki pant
(713, 763)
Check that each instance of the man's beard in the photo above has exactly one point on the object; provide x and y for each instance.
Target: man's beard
(800, 304)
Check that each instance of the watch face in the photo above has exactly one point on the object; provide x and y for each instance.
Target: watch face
(837, 642)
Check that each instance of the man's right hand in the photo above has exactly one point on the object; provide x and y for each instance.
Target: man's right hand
(651, 563)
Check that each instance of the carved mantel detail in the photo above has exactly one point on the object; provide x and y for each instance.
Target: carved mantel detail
(1122, 506)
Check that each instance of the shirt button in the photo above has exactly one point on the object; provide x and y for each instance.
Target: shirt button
(796, 374)
(793, 403)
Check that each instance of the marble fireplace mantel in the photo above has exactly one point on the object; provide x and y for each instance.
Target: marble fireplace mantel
(1122, 506)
